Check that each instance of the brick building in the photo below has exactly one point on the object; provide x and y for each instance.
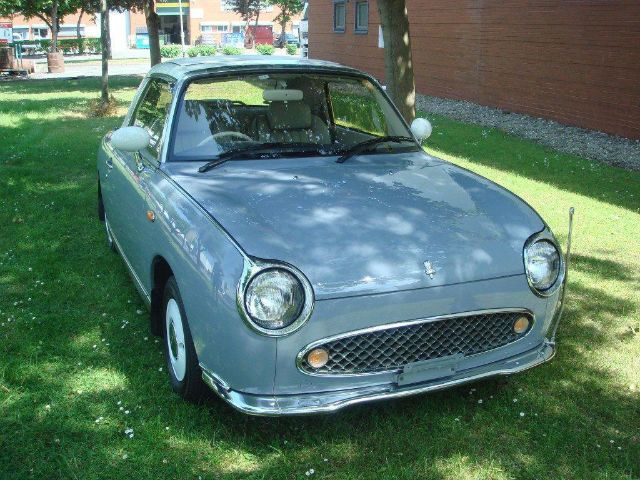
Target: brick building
(577, 62)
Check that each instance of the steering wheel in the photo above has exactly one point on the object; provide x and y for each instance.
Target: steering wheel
(220, 135)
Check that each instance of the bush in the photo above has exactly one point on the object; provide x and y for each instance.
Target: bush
(201, 51)
(231, 50)
(170, 51)
(265, 49)
(291, 49)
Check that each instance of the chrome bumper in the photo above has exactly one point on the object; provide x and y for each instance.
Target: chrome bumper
(326, 402)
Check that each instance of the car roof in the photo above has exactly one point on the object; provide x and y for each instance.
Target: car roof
(182, 67)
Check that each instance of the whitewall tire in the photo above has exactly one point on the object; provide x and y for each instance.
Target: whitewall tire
(184, 371)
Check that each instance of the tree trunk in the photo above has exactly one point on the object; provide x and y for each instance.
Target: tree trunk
(78, 34)
(55, 26)
(153, 27)
(283, 27)
(398, 66)
(104, 39)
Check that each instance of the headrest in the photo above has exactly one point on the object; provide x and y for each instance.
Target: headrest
(282, 95)
(289, 115)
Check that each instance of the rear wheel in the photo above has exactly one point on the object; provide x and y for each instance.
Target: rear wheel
(185, 374)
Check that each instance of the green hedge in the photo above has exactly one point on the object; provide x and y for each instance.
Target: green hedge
(231, 50)
(201, 51)
(68, 46)
(291, 49)
(265, 49)
(170, 51)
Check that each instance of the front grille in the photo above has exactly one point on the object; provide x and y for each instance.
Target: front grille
(392, 348)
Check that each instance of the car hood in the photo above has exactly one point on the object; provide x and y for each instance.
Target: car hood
(377, 223)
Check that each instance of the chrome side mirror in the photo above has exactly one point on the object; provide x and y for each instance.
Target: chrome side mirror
(130, 139)
(421, 128)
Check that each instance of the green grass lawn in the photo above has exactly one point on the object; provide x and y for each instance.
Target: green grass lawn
(78, 366)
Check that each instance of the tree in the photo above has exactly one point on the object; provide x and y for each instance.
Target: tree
(153, 26)
(249, 10)
(50, 12)
(398, 66)
(105, 41)
(288, 8)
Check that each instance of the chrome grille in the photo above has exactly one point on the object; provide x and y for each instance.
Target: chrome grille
(389, 349)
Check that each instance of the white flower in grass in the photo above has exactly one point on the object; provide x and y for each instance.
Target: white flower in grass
(522, 414)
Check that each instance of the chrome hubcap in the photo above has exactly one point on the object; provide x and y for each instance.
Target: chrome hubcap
(175, 340)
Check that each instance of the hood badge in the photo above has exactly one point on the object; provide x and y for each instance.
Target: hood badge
(428, 269)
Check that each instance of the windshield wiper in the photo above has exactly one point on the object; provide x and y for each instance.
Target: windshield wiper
(234, 154)
(272, 148)
(367, 144)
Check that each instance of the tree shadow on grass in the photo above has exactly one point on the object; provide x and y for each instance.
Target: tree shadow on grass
(89, 84)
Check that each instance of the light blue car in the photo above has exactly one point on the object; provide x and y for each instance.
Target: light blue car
(300, 252)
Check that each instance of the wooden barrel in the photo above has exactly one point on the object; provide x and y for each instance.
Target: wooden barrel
(6, 57)
(55, 62)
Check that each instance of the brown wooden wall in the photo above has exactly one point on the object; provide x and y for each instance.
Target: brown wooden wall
(574, 61)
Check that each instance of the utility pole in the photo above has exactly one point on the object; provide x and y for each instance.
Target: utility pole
(184, 51)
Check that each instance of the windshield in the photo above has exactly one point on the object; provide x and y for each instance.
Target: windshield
(294, 113)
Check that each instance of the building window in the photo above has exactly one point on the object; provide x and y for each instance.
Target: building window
(39, 33)
(339, 16)
(362, 17)
(236, 29)
(214, 28)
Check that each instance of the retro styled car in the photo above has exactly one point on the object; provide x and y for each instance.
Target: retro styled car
(300, 252)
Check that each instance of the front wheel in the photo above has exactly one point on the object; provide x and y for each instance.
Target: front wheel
(185, 374)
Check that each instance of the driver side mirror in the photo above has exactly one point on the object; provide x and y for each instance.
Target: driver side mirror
(421, 128)
(130, 139)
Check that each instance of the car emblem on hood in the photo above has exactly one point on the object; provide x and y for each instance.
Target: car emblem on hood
(428, 269)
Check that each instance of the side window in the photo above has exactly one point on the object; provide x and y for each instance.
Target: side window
(355, 107)
(151, 113)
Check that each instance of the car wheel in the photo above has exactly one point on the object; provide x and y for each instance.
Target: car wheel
(107, 229)
(185, 374)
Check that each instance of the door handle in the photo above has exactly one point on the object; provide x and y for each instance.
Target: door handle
(109, 162)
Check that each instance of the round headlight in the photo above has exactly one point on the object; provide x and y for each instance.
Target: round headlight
(274, 299)
(542, 261)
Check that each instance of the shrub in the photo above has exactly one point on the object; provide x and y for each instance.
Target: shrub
(231, 50)
(291, 49)
(265, 49)
(170, 51)
(201, 51)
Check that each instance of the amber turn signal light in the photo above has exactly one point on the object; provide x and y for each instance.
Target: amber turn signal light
(521, 325)
(318, 357)
(151, 216)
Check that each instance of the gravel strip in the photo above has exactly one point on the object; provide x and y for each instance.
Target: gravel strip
(593, 145)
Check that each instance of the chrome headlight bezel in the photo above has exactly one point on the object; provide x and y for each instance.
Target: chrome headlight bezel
(255, 267)
(544, 236)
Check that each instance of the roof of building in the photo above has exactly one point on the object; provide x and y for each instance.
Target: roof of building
(180, 67)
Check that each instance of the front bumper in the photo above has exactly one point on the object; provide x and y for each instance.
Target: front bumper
(326, 402)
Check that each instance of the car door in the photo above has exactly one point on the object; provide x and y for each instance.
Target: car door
(130, 176)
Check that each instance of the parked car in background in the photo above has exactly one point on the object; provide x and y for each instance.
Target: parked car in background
(300, 252)
(289, 39)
